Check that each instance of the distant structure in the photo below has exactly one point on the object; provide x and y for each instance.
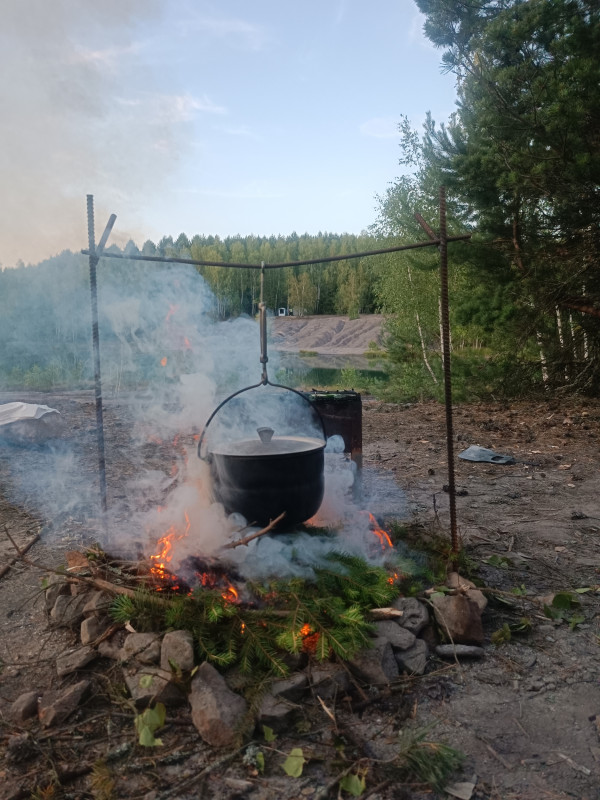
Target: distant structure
(285, 312)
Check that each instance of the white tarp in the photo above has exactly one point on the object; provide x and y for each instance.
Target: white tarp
(29, 422)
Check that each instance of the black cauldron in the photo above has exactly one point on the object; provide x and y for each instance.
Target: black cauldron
(263, 477)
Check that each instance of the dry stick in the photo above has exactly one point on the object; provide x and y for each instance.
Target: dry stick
(252, 536)
(497, 755)
(20, 551)
(98, 583)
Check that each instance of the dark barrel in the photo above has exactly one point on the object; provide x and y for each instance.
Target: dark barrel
(341, 412)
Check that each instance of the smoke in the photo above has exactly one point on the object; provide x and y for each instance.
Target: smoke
(67, 127)
(166, 367)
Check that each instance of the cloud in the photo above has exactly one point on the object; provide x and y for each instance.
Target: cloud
(108, 58)
(380, 128)
(170, 109)
(183, 107)
(235, 31)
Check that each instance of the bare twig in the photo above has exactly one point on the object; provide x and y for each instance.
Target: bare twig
(573, 765)
(497, 756)
(252, 536)
(20, 550)
(98, 583)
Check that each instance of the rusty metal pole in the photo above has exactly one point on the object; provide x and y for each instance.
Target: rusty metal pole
(447, 372)
(262, 306)
(94, 258)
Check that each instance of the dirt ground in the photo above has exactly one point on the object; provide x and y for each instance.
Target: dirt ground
(333, 335)
(527, 717)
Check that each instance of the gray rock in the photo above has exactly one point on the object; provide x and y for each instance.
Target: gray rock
(177, 651)
(413, 660)
(456, 581)
(24, 707)
(97, 604)
(329, 681)
(459, 618)
(400, 638)
(92, 628)
(67, 611)
(459, 650)
(376, 666)
(152, 684)
(292, 688)
(478, 598)
(70, 662)
(113, 647)
(415, 615)
(142, 647)
(55, 707)
(55, 586)
(216, 710)
(276, 712)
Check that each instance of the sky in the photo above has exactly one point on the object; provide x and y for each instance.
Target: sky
(200, 117)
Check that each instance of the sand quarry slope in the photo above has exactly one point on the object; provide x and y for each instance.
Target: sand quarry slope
(336, 335)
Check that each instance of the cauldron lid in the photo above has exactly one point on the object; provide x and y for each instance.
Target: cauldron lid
(277, 446)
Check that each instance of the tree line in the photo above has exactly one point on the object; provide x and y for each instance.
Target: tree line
(338, 288)
(520, 160)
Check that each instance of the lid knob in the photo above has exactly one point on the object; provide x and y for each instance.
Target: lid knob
(266, 434)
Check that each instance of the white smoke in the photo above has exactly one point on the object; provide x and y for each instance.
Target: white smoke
(166, 365)
(67, 129)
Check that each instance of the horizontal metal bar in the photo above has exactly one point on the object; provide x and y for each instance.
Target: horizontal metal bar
(281, 264)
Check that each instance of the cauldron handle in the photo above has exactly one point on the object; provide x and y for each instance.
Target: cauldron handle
(305, 398)
(247, 389)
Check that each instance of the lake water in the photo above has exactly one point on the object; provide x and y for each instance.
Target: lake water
(324, 370)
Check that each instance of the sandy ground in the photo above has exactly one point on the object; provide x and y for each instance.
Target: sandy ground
(334, 335)
(527, 717)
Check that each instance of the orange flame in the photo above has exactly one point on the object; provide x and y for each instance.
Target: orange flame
(171, 311)
(230, 595)
(163, 361)
(381, 534)
(164, 556)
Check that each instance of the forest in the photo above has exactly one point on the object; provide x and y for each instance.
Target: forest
(520, 160)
